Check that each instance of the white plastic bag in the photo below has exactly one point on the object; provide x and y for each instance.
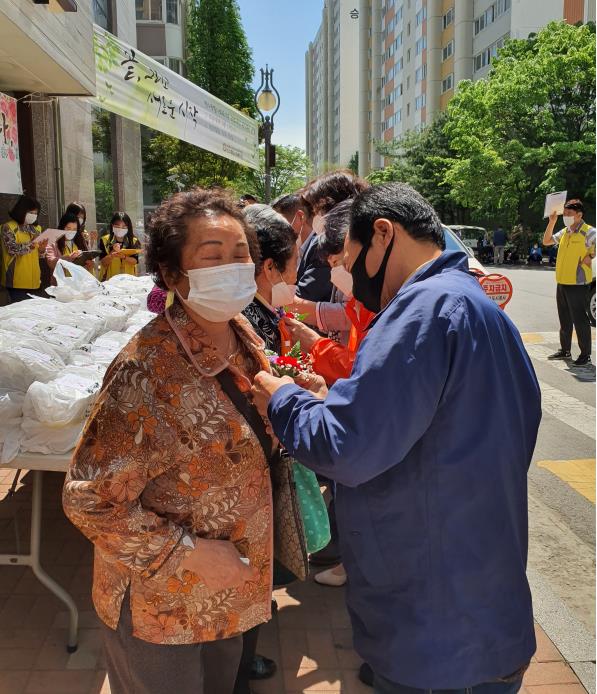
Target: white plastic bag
(26, 359)
(73, 282)
(42, 438)
(64, 400)
(11, 416)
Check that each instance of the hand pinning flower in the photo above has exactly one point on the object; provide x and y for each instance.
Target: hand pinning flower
(295, 363)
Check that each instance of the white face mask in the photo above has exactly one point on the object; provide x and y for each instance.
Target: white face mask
(568, 221)
(342, 279)
(70, 235)
(81, 220)
(222, 292)
(120, 233)
(282, 293)
(30, 217)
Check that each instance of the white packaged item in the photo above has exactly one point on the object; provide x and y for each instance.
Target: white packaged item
(64, 400)
(26, 359)
(38, 437)
(11, 416)
(61, 336)
(73, 282)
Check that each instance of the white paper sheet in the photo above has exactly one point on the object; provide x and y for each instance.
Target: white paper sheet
(554, 202)
(52, 235)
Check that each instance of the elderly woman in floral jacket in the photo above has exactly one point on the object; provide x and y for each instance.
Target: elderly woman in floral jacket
(169, 481)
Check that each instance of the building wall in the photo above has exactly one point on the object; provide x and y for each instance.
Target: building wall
(348, 103)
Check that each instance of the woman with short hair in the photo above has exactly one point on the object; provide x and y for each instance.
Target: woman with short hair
(169, 480)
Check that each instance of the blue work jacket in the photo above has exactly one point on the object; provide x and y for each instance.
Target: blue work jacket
(430, 441)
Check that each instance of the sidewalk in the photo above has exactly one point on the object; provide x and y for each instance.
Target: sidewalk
(310, 639)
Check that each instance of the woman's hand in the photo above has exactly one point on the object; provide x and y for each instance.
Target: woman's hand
(41, 245)
(89, 265)
(307, 308)
(264, 386)
(299, 332)
(218, 565)
(75, 254)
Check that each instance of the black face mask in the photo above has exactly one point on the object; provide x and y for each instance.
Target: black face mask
(367, 289)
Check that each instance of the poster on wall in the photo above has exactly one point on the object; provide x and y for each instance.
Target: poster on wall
(133, 85)
(10, 165)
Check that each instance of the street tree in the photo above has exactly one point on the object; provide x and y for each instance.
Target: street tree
(291, 172)
(421, 158)
(220, 61)
(528, 129)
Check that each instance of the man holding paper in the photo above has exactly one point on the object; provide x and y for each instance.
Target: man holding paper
(576, 249)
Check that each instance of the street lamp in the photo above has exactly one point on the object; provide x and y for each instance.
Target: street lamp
(267, 101)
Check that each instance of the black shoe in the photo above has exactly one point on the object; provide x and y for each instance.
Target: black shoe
(262, 668)
(366, 674)
(328, 556)
(583, 360)
(560, 354)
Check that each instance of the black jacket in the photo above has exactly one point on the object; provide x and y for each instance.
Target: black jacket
(314, 281)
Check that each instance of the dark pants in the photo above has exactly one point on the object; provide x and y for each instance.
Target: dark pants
(138, 667)
(572, 311)
(383, 686)
(21, 294)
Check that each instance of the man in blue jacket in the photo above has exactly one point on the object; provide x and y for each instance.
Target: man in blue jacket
(430, 441)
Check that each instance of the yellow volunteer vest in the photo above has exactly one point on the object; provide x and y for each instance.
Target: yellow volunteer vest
(572, 250)
(69, 249)
(20, 271)
(116, 267)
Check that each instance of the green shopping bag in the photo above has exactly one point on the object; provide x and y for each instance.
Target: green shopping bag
(313, 509)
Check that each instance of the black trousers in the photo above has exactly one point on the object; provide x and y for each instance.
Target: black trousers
(572, 311)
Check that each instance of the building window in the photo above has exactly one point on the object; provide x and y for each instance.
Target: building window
(102, 13)
(421, 73)
(408, 109)
(420, 102)
(448, 50)
(420, 45)
(491, 14)
(483, 59)
(149, 10)
(447, 84)
(408, 29)
(421, 16)
(408, 56)
(172, 11)
(175, 64)
(448, 18)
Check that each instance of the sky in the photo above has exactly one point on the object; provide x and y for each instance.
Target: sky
(278, 32)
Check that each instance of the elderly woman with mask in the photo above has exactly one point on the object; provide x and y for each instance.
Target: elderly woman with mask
(170, 481)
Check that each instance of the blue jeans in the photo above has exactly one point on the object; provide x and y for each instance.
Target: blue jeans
(383, 686)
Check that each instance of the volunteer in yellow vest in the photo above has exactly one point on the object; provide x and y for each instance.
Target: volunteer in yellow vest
(116, 246)
(576, 249)
(71, 245)
(21, 273)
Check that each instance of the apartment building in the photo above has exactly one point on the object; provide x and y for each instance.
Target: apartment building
(161, 31)
(333, 84)
(412, 56)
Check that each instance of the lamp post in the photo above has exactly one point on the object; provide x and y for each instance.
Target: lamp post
(267, 101)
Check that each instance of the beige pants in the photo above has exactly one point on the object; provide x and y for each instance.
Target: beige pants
(139, 667)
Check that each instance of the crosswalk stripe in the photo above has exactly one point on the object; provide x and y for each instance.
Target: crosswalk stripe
(542, 352)
(569, 410)
(578, 474)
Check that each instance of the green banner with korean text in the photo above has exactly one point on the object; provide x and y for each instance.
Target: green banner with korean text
(131, 84)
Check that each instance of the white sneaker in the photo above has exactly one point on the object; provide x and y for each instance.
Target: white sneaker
(335, 577)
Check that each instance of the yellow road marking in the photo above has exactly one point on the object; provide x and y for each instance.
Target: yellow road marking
(532, 338)
(578, 474)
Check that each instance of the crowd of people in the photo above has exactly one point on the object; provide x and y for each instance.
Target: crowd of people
(27, 262)
(182, 478)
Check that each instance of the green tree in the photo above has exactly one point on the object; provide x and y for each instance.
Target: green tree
(421, 158)
(291, 172)
(219, 60)
(528, 129)
(353, 164)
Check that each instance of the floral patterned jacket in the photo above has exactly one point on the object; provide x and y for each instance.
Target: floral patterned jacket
(164, 458)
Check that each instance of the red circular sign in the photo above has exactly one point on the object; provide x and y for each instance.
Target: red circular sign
(498, 288)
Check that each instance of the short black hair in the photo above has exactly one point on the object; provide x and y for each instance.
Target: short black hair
(288, 205)
(276, 237)
(23, 205)
(324, 192)
(400, 203)
(574, 204)
(168, 228)
(337, 221)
